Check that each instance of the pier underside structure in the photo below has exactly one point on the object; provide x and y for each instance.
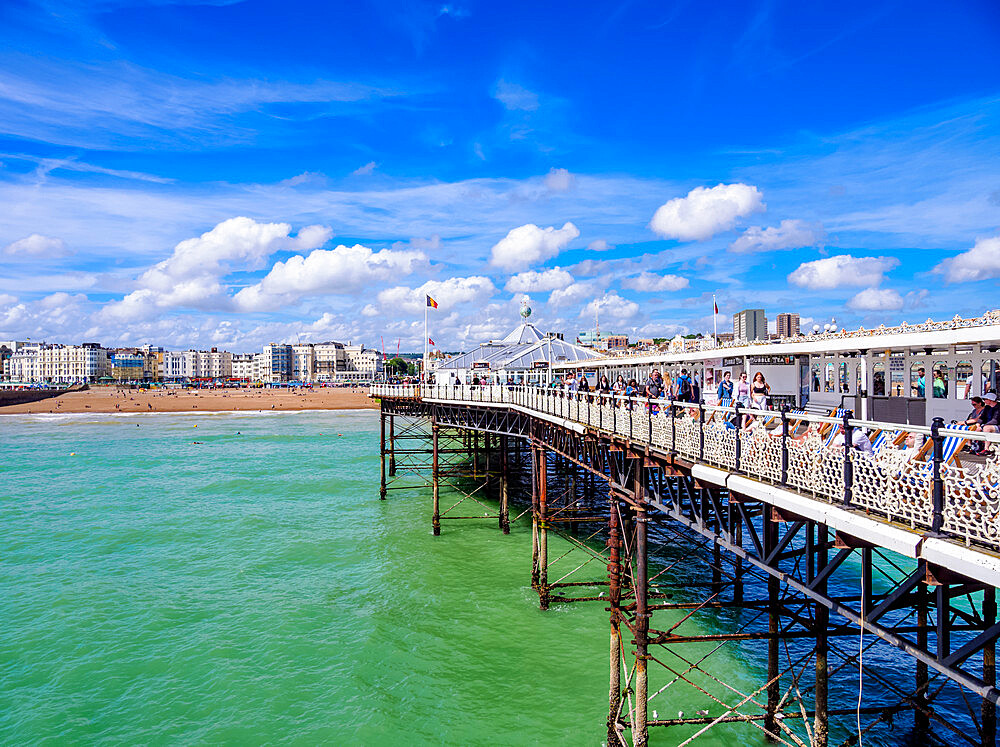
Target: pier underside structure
(865, 596)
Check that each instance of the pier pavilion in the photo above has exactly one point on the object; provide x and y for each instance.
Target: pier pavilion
(859, 575)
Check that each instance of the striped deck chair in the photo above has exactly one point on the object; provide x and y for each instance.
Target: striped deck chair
(887, 439)
(825, 428)
(950, 448)
(724, 402)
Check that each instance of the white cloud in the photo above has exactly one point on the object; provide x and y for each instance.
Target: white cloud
(559, 180)
(537, 282)
(611, 306)
(980, 262)
(191, 276)
(574, 294)
(790, 234)
(513, 96)
(649, 282)
(876, 299)
(364, 170)
(448, 294)
(36, 245)
(841, 270)
(706, 211)
(528, 244)
(325, 271)
(600, 245)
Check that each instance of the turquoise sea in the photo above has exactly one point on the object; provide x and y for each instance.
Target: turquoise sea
(251, 588)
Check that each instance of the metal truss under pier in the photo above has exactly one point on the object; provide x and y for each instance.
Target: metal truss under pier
(858, 637)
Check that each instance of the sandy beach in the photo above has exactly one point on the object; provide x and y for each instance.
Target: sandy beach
(104, 399)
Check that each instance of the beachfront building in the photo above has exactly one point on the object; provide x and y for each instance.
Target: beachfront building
(277, 363)
(58, 364)
(749, 325)
(524, 355)
(128, 366)
(243, 367)
(188, 365)
(787, 325)
(363, 365)
(303, 362)
(329, 359)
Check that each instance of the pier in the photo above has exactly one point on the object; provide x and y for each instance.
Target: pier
(827, 558)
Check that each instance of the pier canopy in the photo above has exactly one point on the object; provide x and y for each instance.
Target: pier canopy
(525, 354)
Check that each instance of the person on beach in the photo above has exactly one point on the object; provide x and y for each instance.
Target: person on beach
(760, 391)
(725, 390)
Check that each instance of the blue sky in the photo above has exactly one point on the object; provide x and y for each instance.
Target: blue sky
(232, 173)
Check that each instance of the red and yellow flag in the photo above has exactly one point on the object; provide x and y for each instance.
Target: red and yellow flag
(431, 302)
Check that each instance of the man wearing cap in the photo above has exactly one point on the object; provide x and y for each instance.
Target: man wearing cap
(989, 421)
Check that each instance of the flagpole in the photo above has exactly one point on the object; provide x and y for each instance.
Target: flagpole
(715, 320)
(423, 373)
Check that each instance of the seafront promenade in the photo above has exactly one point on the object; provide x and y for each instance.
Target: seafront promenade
(897, 543)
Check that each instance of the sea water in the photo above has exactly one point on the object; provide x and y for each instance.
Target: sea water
(234, 578)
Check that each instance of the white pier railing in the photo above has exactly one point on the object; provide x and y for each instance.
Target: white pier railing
(913, 475)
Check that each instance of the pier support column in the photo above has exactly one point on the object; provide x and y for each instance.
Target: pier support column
(614, 600)
(989, 710)
(381, 455)
(436, 515)
(641, 735)
(736, 529)
(533, 450)
(504, 476)
(921, 721)
(543, 540)
(773, 628)
(392, 446)
(821, 725)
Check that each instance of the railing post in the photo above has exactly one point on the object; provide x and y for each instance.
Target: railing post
(937, 520)
(848, 464)
(784, 444)
(701, 429)
(739, 443)
(649, 423)
(673, 430)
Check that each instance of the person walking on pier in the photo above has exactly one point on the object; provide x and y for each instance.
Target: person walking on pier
(604, 386)
(725, 390)
(743, 390)
(683, 388)
(760, 391)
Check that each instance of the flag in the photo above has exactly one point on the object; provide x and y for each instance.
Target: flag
(432, 303)
(429, 339)
(716, 306)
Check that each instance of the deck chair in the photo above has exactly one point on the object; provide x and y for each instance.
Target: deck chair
(825, 428)
(724, 402)
(885, 439)
(950, 448)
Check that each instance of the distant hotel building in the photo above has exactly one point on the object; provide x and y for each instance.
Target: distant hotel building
(750, 324)
(788, 325)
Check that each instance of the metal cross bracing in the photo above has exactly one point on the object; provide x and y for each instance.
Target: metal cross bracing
(694, 572)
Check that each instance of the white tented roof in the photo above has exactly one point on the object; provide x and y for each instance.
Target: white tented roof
(524, 334)
(519, 350)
